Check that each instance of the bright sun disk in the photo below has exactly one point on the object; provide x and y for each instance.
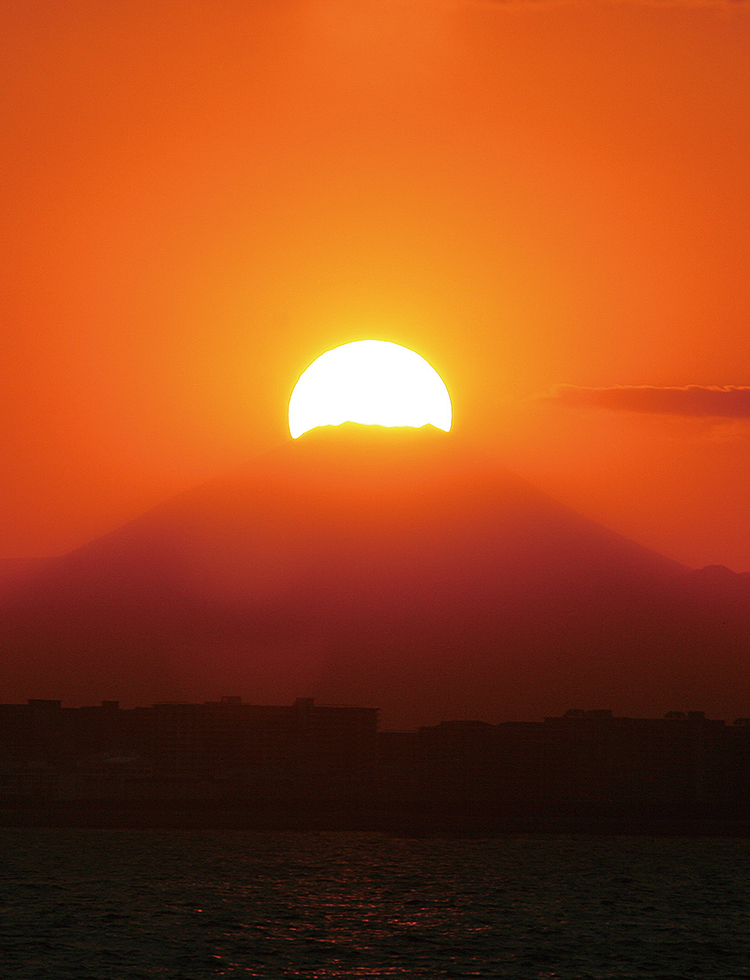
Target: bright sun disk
(372, 382)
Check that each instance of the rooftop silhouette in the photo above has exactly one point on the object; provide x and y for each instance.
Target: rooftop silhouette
(310, 758)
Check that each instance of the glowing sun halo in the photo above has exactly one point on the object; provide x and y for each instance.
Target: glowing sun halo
(372, 382)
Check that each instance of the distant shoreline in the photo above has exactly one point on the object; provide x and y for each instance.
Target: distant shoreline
(390, 821)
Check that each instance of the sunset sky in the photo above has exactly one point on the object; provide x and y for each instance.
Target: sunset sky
(548, 201)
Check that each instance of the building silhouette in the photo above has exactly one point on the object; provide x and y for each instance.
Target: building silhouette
(309, 756)
(224, 750)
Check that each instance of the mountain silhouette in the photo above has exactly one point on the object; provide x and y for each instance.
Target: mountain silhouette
(390, 567)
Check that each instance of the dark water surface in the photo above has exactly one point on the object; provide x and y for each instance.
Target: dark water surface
(128, 903)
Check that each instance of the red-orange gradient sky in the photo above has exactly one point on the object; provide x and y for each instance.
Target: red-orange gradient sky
(549, 201)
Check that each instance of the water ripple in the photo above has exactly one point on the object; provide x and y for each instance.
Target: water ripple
(142, 904)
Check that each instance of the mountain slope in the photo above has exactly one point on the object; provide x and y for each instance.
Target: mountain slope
(379, 566)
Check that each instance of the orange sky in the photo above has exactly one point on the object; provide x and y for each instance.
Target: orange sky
(201, 197)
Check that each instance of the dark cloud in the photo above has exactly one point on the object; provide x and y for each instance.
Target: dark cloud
(612, 3)
(703, 401)
(602, 3)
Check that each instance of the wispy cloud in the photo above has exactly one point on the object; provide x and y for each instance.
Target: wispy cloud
(698, 401)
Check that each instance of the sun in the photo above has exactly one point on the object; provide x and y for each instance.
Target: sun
(372, 382)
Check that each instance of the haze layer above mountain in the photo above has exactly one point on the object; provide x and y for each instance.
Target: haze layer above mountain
(389, 567)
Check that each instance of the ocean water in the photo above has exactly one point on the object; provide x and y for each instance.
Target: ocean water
(132, 903)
